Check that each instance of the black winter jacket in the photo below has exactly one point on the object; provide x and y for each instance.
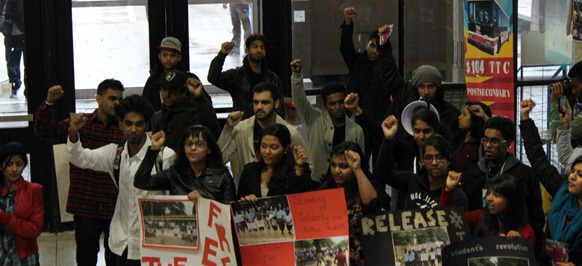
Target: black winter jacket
(239, 84)
(176, 119)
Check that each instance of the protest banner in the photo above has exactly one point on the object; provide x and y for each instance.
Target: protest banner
(491, 250)
(412, 235)
(176, 232)
(292, 229)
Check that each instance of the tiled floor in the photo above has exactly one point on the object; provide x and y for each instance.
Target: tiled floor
(59, 249)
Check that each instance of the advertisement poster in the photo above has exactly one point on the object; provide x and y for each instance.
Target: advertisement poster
(489, 67)
(175, 231)
(575, 19)
(412, 237)
(296, 229)
(492, 250)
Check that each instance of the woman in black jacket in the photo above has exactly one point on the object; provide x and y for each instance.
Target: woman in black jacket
(198, 171)
(281, 169)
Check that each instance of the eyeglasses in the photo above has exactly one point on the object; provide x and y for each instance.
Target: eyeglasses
(437, 157)
(494, 142)
(198, 144)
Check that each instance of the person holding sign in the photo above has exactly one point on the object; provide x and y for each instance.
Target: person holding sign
(281, 168)
(506, 213)
(565, 215)
(198, 171)
(423, 189)
(348, 171)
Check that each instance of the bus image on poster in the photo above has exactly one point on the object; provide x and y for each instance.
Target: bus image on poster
(488, 25)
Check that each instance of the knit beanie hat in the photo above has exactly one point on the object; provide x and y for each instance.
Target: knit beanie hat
(253, 37)
(426, 73)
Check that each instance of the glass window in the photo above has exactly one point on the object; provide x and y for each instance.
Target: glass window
(110, 42)
(12, 100)
(212, 24)
(544, 47)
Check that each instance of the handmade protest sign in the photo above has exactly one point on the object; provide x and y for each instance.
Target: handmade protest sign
(175, 231)
(292, 229)
(491, 250)
(412, 235)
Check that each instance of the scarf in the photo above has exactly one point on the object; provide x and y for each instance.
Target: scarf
(565, 205)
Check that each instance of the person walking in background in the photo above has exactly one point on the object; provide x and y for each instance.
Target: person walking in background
(239, 15)
(12, 27)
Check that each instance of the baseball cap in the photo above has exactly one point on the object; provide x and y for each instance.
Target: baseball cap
(171, 43)
(253, 37)
(171, 79)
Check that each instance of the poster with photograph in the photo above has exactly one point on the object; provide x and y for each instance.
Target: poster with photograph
(412, 237)
(169, 224)
(295, 229)
(176, 231)
(492, 250)
(575, 19)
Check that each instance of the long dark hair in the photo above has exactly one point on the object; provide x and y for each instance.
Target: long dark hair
(515, 213)
(213, 159)
(9, 150)
(286, 164)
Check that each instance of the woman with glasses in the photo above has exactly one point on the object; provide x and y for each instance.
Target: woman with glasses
(423, 124)
(21, 209)
(281, 168)
(422, 189)
(198, 171)
(469, 134)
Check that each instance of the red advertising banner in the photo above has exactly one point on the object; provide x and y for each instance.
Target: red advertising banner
(489, 67)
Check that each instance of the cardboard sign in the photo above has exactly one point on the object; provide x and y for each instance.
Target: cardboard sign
(412, 235)
(492, 250)
(292, 229)
(185, 233)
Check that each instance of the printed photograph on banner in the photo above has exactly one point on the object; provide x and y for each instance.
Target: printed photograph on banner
(269, 220)
(576, 19)
(420, 246)
(489, 25)
(323, 251)
(169, 224)
(412, 237)
(494, 261)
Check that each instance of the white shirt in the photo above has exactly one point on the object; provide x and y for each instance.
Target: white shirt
(125, 228)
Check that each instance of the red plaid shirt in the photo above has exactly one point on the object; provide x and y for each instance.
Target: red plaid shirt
(92, 194)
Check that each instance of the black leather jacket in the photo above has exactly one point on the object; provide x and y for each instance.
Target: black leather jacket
(214, 183)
